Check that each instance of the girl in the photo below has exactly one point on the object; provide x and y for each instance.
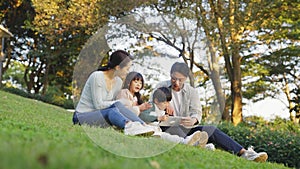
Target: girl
(97, 105)
(132, 86)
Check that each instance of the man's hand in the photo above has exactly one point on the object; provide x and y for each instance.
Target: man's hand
(162, 118)
(170, 110)
(189, 121)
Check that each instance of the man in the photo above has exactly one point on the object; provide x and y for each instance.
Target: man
(186, 103)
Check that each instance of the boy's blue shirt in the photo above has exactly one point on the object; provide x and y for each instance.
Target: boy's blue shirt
(146, 116)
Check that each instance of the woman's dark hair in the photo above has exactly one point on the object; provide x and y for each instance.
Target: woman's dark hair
(118, 58)
(162, 94)
(131, 76)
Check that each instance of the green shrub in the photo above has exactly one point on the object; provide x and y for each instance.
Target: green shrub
(48, 98)
(280, 139)
(17, 91)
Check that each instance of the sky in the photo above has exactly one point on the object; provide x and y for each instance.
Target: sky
(268, 108)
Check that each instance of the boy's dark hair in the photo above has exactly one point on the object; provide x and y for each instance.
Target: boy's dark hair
(162, 94)
(131, 76)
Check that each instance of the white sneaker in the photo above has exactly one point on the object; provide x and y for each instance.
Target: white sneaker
(157, 134)
(210, 146)
(169, 137)
(136, 128)
(250, 154)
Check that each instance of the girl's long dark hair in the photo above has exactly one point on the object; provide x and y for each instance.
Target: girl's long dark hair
(129, 78)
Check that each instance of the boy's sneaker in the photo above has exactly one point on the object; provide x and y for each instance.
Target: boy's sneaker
(250, 154)
(136, 128)
(203, 139)
(210, 146)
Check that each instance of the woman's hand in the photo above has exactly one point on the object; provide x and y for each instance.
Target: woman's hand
(189, 121)
(145, 106)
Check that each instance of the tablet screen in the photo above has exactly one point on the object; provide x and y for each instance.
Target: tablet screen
(171, 121)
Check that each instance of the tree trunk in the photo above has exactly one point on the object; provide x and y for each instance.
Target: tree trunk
(236, 110)
(46, 77)
(214, 65)
(286, 90)
(236, 82)
(236, 85)
(28, 77)
(2, 58)
(226, 115)
(215, 76)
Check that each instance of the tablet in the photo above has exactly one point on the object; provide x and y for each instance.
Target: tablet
(171, 121)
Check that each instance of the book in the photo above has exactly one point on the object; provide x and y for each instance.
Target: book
(171, 121)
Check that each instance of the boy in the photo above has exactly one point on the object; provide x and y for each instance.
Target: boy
(153, 116)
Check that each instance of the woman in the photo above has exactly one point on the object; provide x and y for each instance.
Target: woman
(97, 105)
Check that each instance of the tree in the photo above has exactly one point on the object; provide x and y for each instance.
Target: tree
(177, 32)
(231, 27)
(12, 16)
(225, 25)
(50, 35)
(54, 33)
(279, 65)
(283, 62)
(63, 26)
(66, 26)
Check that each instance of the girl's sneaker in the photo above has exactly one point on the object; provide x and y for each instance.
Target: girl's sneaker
(136, 128)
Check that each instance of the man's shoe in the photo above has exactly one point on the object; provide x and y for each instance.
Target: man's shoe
(192, 139)
(203, 139)
(250, 154)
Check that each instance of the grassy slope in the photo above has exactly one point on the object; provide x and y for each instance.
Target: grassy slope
(39, 135)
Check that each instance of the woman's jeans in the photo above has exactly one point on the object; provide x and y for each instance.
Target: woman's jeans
(215, 135)
(117, 114)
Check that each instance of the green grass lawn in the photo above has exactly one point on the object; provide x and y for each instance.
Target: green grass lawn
(38, 135)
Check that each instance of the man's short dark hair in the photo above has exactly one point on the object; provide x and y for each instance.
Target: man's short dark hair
(162, 94)
(181, 68)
